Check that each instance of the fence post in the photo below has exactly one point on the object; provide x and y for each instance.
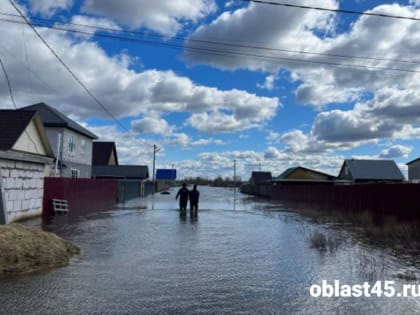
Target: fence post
(3, 210)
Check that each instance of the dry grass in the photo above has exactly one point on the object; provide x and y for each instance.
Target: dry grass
(323, 243)
(25, 250)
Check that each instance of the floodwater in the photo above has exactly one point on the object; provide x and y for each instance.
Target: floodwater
(241, 255)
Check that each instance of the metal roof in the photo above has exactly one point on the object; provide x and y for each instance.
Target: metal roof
(415, 160)
(290, 170)
(258, 177)
(121, 171)
(53, 118)
(13, 123)
(373, 169)
(101, 152)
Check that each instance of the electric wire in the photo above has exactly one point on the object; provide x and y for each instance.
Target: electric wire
(221, 52)
(96, 100)
(382, 15)
(198, 40)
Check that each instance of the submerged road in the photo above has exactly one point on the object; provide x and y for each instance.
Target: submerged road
(242, 255)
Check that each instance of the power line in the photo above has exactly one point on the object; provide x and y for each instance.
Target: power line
(223, 52)
(9, 85)
(383, 15)
(67, 68)
(198, 40)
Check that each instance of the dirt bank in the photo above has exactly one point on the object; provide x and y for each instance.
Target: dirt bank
(24, 250)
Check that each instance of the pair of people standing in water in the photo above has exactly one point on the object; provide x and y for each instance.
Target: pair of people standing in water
(193, 195)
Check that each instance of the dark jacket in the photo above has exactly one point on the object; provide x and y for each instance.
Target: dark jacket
(183, 194)
(194, 196)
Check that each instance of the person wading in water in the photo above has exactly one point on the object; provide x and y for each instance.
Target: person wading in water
(183, 193)
(194, 197)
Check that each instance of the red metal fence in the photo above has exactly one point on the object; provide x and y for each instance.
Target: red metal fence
(395, 199)
(83, 195)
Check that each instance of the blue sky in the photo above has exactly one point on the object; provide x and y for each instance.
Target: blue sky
(210, 81)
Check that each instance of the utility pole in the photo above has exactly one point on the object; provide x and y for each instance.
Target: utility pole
(234, 176)
(154, 163)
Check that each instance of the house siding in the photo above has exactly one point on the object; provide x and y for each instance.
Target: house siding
(79, 157)
(414, 170)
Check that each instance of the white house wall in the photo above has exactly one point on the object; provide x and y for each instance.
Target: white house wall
(23, 187)
(30, 141)
(79, 159)
(414, 171)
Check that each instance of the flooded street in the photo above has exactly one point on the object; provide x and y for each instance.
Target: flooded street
(246, 256)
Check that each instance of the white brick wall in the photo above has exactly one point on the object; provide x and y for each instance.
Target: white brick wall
(23, 185)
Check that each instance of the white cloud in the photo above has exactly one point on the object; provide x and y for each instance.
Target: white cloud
(122, 90)
(207, 141)
(49, 7)
(130, 148)
(152, 125)
(268, 83)
(164, 17)
(396, 151)
(180, 139)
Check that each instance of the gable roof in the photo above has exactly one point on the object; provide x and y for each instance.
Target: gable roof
(102, 151)
(258, 177)
(13, 124)
(121, 171)
(415, 160)
(291, 170)
(373, 170)
(53, 118)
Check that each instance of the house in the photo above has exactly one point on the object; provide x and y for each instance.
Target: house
(359, 171)
(259, 184)
(302, 173)
(414, 169)
(165, 178)
(25, 159)
(132, 179)
(259, 177)
(71, 143)
(104, 153)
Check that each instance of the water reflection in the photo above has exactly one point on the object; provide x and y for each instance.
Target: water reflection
(241, 255)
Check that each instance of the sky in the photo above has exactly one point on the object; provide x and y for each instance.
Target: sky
(212, 82)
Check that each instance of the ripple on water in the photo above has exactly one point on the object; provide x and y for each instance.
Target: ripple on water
(242, 257)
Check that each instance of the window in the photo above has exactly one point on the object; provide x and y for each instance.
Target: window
(75, 173)
(72, 143)
(346, 171)
(83, 145)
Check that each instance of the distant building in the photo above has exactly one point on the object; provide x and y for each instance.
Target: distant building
(25, 159)
(302, 173)
(71, 143)
(104, 153)
(260, 177)
(259, 184)
(132, 179)
(359, 171)
(414, 169)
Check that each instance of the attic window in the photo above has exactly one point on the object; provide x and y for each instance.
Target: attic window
(346, 171)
